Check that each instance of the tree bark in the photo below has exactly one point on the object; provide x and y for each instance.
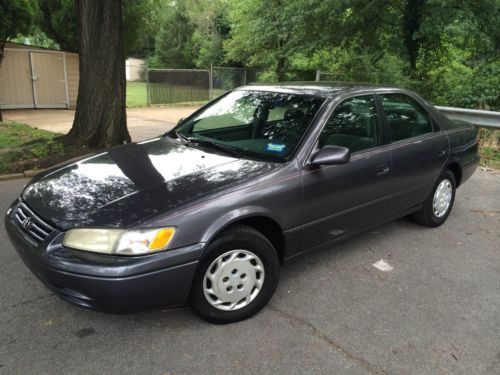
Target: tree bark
(280, 69)
(2, 50)
(100, 118)
(412, 19)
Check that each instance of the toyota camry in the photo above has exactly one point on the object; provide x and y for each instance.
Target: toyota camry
(206, 214)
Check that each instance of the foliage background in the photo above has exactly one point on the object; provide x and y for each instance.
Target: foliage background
(447, 50)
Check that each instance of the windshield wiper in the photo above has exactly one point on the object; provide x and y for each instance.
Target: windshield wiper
(182, 137)
(218, 146)
(205, 142)
(175, 135)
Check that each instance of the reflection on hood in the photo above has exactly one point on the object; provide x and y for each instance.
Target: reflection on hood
(134, 162)
(134, 181)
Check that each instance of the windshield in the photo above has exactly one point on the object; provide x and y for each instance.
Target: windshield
(262, 125)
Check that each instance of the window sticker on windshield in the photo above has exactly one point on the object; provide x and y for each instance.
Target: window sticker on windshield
(274, 147)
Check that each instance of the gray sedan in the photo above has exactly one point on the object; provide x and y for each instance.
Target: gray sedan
(206, 214)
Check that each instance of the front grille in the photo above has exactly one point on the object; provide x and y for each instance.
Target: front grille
(31, 224)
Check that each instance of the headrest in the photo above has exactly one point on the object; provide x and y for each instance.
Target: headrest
(293, 114)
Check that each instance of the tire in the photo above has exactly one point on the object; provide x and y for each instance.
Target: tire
(431, 216)
(233, 260)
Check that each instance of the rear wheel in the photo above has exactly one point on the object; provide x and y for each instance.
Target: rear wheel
(237, 277)
(438, 205)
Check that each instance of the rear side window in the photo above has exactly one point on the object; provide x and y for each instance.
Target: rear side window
(353, 124)
(405, 118)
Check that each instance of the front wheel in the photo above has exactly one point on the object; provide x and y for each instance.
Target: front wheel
(237, 277)
(438, 205)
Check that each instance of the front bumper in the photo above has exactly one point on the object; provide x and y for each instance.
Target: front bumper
(105, 282)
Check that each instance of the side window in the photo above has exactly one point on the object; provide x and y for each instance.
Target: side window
(405, 118)
(353, 124)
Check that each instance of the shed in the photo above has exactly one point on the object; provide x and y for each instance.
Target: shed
(35, 77)
(134, 69)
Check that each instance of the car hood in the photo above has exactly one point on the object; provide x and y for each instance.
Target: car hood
(131, 183)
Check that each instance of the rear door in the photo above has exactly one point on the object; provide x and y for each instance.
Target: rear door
(418, 149)
(340, 199)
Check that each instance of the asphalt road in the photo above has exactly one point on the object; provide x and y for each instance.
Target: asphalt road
(437, 311)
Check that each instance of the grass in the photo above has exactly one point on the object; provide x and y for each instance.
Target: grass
(490, 157)
(25, 148)
(14, 134)
(490, 148)
(136, 94)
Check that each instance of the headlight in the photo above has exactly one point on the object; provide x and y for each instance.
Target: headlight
(119, 242)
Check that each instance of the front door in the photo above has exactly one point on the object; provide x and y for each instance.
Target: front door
(49, 82)
(340, 199)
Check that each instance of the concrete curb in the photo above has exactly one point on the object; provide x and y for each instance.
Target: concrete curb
(31, 173)
(6, 177)
(13, 176)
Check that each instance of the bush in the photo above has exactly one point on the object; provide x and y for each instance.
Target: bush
(458, 85)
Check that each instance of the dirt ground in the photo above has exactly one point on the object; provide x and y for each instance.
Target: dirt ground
(143, 123)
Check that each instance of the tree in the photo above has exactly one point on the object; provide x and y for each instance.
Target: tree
(174, 44)
(16, 17)
(36, 38)
(269, 32)
(140, 26)
(100, 118)
(191, 34)
(212, 30)
(104, 33)
(59, 22)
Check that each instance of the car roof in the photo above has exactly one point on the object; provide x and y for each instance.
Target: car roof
(323, 89)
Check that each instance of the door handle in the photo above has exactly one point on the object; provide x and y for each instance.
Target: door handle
(442, 152)
(382, 170)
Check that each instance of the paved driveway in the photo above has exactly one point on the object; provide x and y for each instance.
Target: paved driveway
(143, 123)
(436, 312)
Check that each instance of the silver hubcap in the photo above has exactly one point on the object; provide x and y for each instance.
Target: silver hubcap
(442, 198)
(233, 280)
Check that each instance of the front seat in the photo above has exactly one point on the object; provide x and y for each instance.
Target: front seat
(294, 124)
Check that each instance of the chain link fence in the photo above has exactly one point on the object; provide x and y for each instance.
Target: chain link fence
(326, 76)
(169, 86)
(175, 86)
(225, 79)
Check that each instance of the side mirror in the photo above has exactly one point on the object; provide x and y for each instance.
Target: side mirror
(180, 120)
(331, 155)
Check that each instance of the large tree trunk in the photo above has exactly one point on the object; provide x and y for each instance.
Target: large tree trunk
(412, 19)
(100, 118)
(2, 49)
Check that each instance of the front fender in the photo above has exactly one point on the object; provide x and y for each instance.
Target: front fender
(234, 216)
